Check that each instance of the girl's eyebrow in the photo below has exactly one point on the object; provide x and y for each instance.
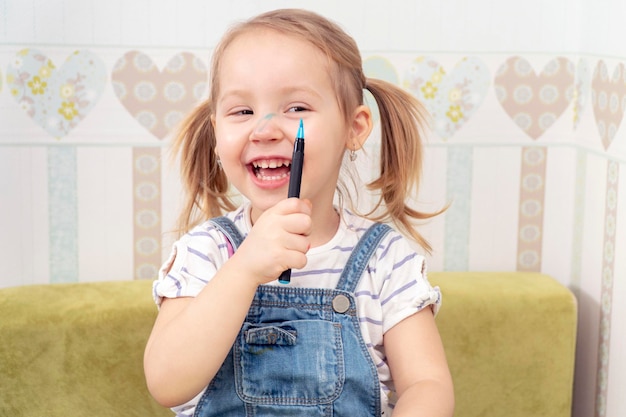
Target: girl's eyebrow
(233, 93)
(301, 89)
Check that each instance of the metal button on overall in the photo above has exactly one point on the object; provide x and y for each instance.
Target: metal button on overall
(341, 304)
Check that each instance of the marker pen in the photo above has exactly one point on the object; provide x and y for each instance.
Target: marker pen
(295, 179)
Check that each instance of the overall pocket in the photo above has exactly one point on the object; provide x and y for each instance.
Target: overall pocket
(292, 363)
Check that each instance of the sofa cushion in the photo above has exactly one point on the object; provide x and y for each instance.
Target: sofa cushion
(77, 349)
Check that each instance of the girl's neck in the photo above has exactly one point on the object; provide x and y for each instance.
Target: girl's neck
(325, 225)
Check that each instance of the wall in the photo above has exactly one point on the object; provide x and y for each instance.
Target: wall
(526, 98)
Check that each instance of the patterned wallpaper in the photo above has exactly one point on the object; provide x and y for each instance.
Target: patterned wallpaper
(563, 177)
(57, 99)
(529, 148)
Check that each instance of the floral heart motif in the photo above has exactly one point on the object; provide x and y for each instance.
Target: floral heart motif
(608, 98)
(534, 102)
(451, 98)
(381, 68)
(56, 99)
(159, 100)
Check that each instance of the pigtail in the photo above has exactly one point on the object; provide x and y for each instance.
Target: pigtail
(402, 118)
(204, 180)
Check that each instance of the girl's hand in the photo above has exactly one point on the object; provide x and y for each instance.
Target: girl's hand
(278, 240)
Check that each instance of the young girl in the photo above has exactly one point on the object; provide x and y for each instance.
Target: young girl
(353, 334)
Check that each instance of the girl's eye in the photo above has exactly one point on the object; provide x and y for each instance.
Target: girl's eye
(245, 112)
(297, 109)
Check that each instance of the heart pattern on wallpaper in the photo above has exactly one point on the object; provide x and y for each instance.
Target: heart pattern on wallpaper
(56, 99)
(608, 98)
(159, 100)
(452, 98)
(534, 102)
(582, 88)
(380, 68)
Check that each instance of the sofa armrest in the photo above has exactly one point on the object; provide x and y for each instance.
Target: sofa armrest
(76, 350)
(510, 342)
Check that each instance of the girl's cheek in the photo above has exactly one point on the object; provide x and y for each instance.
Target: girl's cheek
(227, 135)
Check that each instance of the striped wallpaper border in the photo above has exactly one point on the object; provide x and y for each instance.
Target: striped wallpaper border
(458, 216)
(531, 208)
(606, 295)
(63, 214)
(147, 212)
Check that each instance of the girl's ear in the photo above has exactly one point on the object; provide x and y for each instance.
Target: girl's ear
(361, 128)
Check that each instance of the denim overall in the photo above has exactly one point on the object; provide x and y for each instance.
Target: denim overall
(300, 351)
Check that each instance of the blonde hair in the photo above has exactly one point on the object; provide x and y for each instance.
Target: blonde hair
(401, 119)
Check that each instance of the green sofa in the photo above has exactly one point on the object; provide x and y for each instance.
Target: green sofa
(76, 349)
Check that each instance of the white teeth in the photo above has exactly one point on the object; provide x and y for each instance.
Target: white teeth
(270, 177)
(270, 163)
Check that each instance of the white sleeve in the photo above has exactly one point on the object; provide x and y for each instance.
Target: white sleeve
(406, 289)
(193, 262)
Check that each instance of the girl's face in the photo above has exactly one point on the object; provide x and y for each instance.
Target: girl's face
(268, 82)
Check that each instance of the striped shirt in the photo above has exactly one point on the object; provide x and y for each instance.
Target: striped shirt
(393, 286)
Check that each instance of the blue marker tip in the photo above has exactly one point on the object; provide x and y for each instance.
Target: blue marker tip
(300, 134)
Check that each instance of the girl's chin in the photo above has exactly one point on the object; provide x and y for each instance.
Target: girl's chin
(259, 206)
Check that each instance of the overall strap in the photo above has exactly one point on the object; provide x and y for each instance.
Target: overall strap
(228, 228)
(361, 255)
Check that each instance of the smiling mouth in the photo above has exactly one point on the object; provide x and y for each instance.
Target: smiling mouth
(271, 169)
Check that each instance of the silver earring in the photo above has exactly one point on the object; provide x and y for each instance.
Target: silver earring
(217, 158)
(353, 155)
